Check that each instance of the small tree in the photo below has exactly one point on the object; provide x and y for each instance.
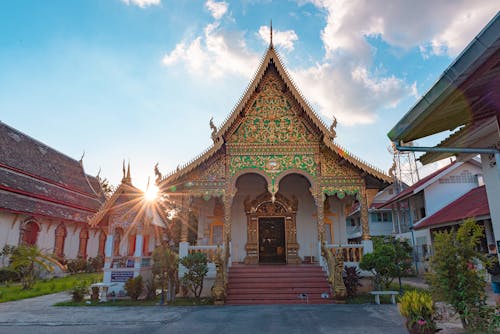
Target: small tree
(134, 287)
(391, 258)
(197, 268)
(455, 279)
(165, 265)
(26, 260)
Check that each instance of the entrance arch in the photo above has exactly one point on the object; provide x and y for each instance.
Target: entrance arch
(268, 222)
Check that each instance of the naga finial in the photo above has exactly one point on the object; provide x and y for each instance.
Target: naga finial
(333, 132)
(214, 130)
(158, 174)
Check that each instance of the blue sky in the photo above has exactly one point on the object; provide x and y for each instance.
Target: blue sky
(140, 79)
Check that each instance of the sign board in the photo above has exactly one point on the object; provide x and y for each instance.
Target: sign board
(121, 276)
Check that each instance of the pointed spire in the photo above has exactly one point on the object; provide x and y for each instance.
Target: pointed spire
(126, 176)
(271, 34)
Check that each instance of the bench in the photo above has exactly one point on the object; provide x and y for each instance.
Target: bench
(391, 293)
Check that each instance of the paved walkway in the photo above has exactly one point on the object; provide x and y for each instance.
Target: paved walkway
(37, 315)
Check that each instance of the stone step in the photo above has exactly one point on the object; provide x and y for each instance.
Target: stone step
(276, 284)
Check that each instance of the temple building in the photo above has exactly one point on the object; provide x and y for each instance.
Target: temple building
(46, 199)
(274, 184)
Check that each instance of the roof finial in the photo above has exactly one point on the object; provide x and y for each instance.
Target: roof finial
(271, 34)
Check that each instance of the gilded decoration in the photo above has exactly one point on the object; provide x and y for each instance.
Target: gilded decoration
(271, 117)
(273, 164)
(334, 165)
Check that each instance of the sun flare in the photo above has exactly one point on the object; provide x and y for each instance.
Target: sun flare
(151, 193)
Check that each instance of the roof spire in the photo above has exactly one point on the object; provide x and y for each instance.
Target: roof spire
(271, 34)
(126, 177)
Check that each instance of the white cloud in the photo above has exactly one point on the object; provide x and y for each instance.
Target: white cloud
(351, 94)
(442, 26)
(142, 3)
(215, 54)
(217, 9)
(280, 38)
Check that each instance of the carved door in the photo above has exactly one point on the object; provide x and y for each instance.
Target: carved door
(272, 240)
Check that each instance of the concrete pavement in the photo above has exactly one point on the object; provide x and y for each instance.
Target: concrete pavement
(37, 315)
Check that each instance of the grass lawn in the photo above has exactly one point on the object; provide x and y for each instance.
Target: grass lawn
(14, 291)
(129, 302)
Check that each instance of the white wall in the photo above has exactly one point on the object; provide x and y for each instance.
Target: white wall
(438, 195)
(492, 182)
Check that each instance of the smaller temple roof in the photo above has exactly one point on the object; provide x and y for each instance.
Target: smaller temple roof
(473, 204)
(37, 180)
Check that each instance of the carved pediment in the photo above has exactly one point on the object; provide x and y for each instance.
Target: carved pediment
(264, 204)
(271, 117)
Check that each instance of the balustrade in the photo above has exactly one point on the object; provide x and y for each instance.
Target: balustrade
(350, 252)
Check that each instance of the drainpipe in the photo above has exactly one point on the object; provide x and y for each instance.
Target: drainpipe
(472, 150)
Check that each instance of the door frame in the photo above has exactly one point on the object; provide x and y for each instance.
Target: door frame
(265, 206)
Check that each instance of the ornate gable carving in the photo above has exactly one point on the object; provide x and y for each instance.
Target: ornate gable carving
(271, 116)
(334, 165)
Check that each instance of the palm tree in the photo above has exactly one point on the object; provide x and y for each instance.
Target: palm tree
(26, 260)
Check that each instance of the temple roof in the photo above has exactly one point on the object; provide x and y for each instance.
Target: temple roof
(38, 180)
(272, 58)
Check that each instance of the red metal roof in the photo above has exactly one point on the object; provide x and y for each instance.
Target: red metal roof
(472, 204)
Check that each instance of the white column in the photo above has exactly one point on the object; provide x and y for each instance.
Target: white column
(108, 251)
(138, 251)
(183, 251)
(491, 174)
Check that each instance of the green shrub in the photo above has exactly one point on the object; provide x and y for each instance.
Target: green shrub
(197, 268)
(94, 264)
(75, 266)
(79, 291)
(134, 287)
(455, 279)
(8, 275)
(418, 308)
(390, 259)
(351, 280)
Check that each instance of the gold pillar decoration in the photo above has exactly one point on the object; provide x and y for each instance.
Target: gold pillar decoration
(363, 202)
(320, 207)
(228, 202)
(184, 217)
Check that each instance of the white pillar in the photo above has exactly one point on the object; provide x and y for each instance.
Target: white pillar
(491, 174)
(108, 251)
(138, 251)
(183, 251)
(367, 246)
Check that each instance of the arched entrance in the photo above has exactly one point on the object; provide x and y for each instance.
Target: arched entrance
(271, 229)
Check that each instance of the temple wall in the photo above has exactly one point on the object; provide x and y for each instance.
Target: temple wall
(9, 234)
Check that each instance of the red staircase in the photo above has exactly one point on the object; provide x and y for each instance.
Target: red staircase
(277, 284)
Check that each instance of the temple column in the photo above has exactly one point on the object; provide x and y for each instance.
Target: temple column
(184, 217)
(365, 227)
(228, 201)
(320, 208)
(138, 250)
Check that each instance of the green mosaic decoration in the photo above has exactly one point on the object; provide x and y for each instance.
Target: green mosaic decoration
(341, 192)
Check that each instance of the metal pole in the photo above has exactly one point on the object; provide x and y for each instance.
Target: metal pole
(448, 149)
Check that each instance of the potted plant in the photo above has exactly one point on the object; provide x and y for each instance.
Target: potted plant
(418, 309)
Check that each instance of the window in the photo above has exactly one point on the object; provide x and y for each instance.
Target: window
(82, 248)
(29, 233)
(59, 242)
(216, 233)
